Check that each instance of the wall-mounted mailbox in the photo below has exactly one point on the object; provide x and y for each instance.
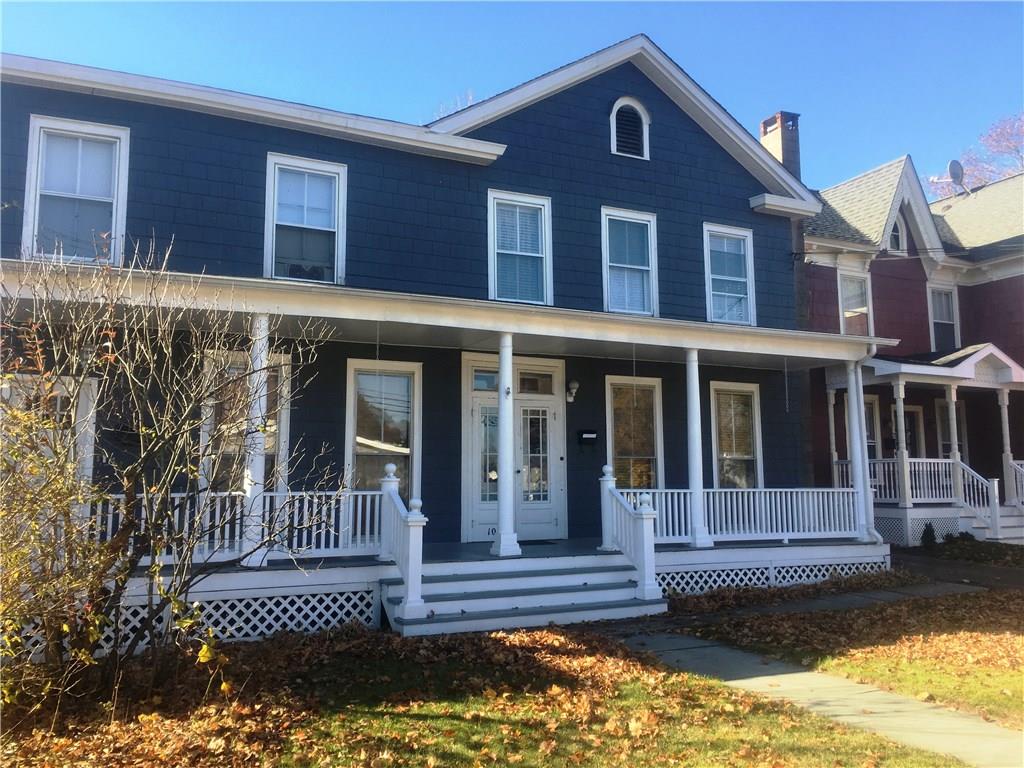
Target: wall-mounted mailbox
(587, 436)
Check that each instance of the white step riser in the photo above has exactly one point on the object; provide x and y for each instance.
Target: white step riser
(516, 582)
(521, 564)
(512, 622)
(568, 597)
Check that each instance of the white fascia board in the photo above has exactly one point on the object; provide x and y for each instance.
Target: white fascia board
(103, 82)
(910, 190)
(979, 273)
(964, 370)
(671, 79)
(785, 206)
(281, 298)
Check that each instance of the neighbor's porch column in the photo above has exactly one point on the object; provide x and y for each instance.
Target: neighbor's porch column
(255, 441)
(954, 444)
(505, 542)
(833, 455)
(855, 437)
(899, 393)
(695, 453)
(1009, 476)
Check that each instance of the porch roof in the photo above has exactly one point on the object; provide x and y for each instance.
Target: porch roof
(404, 319)
(983, 366)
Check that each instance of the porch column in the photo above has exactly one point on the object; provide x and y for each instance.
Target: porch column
(506, 544)
(869, 495)
(695, 453)
(954, 444)
(1009, 477)
(854, 435)
(832, 453)
(899, 392)
(255, 442)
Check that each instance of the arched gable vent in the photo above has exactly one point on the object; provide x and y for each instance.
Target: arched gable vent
(629, 128)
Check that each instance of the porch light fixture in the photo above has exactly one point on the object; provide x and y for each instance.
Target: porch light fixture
(570, 395)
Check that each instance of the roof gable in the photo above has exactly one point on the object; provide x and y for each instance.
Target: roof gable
(784, 190)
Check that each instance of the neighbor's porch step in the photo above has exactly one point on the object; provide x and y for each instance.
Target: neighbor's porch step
(486, 621)
(534, 597)
(513, 580)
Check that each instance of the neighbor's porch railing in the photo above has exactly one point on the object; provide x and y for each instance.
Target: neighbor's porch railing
(1017, 473)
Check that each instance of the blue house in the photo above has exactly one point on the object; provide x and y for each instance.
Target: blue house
(569, 376)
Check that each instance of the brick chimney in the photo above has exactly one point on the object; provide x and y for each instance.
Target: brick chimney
(780, 135)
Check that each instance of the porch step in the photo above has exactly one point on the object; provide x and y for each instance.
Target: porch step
(521, 598)
(517, 580)
(541, 616)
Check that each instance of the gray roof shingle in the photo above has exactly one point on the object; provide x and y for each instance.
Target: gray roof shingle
(856, 210)
(984, 224)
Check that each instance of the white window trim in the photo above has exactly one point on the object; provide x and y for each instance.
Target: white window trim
(645, 118)
(879, 445)
(748, 235)
(386, 366)
(900, 224)
(340, 172)
(866, 276)
(951, 288)
(651, 220)
(517, 198)
(942, 417)
(746, 388)
(917, 411)
(659, 446)
(277, 360)
(33, 176)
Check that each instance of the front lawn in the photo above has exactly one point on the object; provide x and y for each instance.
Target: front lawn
(552, 697)
(963, 651)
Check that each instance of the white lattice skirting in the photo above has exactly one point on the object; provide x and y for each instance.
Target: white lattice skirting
(894, 530)
(697, 581)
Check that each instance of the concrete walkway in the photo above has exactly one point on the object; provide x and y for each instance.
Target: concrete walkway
(899, 718)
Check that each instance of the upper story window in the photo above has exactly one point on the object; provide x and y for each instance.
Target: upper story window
(855, 305)
(729, 271)
(630, 128)
(305, 219)
(519, 252)
(944, 316)
(75, 189)
(898, 234)
(629, 247)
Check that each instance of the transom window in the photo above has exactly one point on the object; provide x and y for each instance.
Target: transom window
(736, 428)
(634, 431)
(729, 266)
(305, 236)
(520, 247)
(854, 305)
(76, 183)
(630, 129)
(383, 424)
(629, 241)
(945, 333)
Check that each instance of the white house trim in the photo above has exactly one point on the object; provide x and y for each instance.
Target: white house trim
(651, 220)
(864, 275)
(950, 288)
(748, 236)
(737, 386)
(495, 196)
(277, 161)
(645, 118)
(909, 198)
(671, 79)
(38, 124)
(416, 438)
(659, 428)
(216, 101)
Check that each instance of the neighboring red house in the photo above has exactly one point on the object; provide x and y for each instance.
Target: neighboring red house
(947, 281)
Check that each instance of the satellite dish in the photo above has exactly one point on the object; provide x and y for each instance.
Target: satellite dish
(956, 173)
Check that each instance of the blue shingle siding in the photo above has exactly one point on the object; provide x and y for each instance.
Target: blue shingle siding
(419, 224)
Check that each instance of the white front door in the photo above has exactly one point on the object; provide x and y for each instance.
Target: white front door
(539, 449)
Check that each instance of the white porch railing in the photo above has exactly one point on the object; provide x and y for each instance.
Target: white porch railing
(981, 497)
(402, 531)
(1017, 470)
(931, 481)
(632, 533)
(883, 474)
(751, 514)
(672, 509)
(331, 524)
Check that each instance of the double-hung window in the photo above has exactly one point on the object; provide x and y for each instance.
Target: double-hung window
(736, 431)
(635, 431)
(519, 234)
(945, 333)
(854, 305)
(629, 241)
(75, 188)
(305, 219)
(729, 267)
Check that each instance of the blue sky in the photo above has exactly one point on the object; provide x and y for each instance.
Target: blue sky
(871, 80)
